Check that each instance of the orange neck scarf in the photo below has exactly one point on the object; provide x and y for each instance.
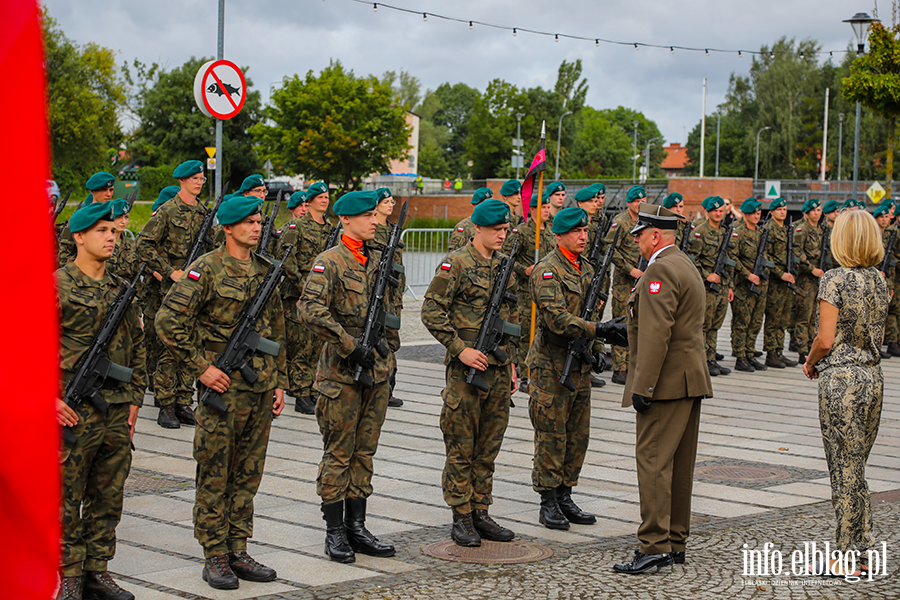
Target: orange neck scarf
(571, 257)
(355, 246)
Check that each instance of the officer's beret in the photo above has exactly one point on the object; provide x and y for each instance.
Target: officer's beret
(165, 194)
(534, 200)
(884, 209)
(511, 187)
(86, 216)
(654, 215)
(481, 194)
(187, 168)
(713, 202)
(750, 206)
(635, 193)
(830, 207)
(355, 203)
(382, 194)
(315, 189)
(672, 199)
(237, 208)
(585, 195)
(253, 181)
(100, 181)
(297, 198)
(569, 218)
(491, 212)
(556, 186)
(777, 203)
(120, 207)
(810, 205)
(598, 187)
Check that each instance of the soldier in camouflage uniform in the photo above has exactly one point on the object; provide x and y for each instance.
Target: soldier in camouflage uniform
(748, 307)
(892, 326)
(164, 244)
(383, 230)
(586, 199)
(625, 258)
(334, 306)
(561, 417)
(465, 229)
(779, 297)
(556, 198)
(309, 234)
(704, 252)
(100, 187)
(198, 317)
(808, 244)
(473, 421)
(94, 469)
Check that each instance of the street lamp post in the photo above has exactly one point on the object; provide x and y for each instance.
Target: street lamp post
(647, 159)
(634, 154)
(860, 23)
(756, 168)
(840, 142)
(558, 140)
(519, 137)
(718, 130)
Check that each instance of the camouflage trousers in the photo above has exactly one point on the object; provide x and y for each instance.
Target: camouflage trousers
(850, 401)
(892, 324)
(747, 313)
(805, 312)
(294, 340)
(562, 427)
(621, 289)
(304, 362)
(716, 308)
(350, 419)
(230, 450)
(473, 423)
(94, 470)
(779, 299)
(153, 345)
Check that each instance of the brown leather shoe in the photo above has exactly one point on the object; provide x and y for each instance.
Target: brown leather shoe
(773, 361)
(246, 568)
(99, 585)
(70, 588)
(218, 574)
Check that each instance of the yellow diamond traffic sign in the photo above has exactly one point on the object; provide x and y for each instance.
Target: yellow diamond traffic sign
(875, 192)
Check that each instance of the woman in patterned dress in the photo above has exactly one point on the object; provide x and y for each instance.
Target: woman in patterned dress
(853, 302)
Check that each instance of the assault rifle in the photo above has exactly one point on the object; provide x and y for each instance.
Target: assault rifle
(886, 263)
(580, 348)
(789, 266)
(594, 254)
(333, 236)
(61, 205)
(686, 233)
(759, 266)
(129, 200)
(203, 234)
(722, 259)
(245, 341)
(266, 237)
(95, 369)
(377, 318)
(825, 249)
(493, 328)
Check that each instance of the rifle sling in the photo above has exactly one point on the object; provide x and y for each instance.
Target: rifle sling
(467, 335)
(217, 347)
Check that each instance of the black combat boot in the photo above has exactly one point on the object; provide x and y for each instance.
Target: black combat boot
(713, 368)
(802, 358)
(336, 544)
(463, 531)
(893, 348)
(248, 569)
(360, 538)
(70, 588)
(787, 361)
(185, 415)
(100, 586)
(619, 377)
(488, 528)
(218, 574)
(305, 405)
(167, 418)
(773, 361)
(551, 516)
(570, 510)
(722, 370)
(742, 364)
(596, 382)
(756, 364)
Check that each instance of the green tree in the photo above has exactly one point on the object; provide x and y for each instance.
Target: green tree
(432, 140)
(335, 126)
(405, 88)
(456, 103)
(601, 148)
(624, 119)
(492, 126)
(85, 95)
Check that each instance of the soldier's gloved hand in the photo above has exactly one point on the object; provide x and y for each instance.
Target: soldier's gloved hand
(614, 331)
(640, 403)
(364, 357)
(601, 363)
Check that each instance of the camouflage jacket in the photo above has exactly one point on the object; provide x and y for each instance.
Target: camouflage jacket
(776, 248)
(894, 261)
(515, 223)
(705, 251)
(594, 227)
(462, 233)
(747, 247)
(525, 250)
(83, 303)
(167, 237)
(65, 249)
(458, 298)
(627, 254)
(334, 306)
(807, 247)
(202, 309)
(558, 290)
(309, 239)
(124, 260)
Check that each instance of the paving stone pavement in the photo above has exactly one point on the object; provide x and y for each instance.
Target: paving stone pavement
(766, 420)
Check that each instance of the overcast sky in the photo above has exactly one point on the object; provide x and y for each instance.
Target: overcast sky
(275, 38)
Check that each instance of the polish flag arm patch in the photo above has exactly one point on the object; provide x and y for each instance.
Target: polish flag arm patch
(194, 275)
(445, 266)
(615, 225)
(460, 229)
(696, 235)
(548, 275)
(655, 287)
(319, 269)
(292, 226)
(734, 234)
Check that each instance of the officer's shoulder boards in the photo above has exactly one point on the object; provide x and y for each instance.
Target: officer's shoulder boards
(195, 275)
(445, 266)
(548, 275)
(319, 268)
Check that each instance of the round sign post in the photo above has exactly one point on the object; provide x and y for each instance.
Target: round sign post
(220, 89)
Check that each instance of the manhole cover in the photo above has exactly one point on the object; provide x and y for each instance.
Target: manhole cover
(882, 497)
(740, 473)
(138, 483)
(495, 553)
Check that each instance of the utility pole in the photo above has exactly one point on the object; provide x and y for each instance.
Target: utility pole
(634, 155)
(220, 54)
(703, 130)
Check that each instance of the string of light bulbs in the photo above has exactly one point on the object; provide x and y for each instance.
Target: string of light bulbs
(597, 40)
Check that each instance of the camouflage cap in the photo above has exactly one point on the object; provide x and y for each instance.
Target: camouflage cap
(253, 181)
(187, 168)
(556, 186)
(491, 212)
(777, 203)
(713, 202)
(315, 189)
(750, 206)
(165, 194)
(510, 187)
(635, 193)
(382, 194)
(481, 194)
(585, 195)
(810, 204)
(100, 181)
(355, 203)
(86, 216)
(672, 199)
(237, 208)
(297, 198)
(830, 206)
(569, 218)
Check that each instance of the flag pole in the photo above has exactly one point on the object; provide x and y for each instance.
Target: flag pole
(537, 234)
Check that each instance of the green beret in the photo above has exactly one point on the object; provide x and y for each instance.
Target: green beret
(534, 200)
(635, 193)
(481, 194)
(165, 194)
(100, 181)
(187, 168)
(510, 187)
(777, 203)
(585, 195)
(750, 206)
(491, 212)
(598, 187)
(897, 211)
(884, 209)
(253, 181)
(120, 207)
(382, 194)
(297, 198)
(849, 202)
(861, 203)
(86, 216)
(810, 205)
(355, 203)
(672, 199)
(556, 186)
(830, 207)
(237, 208)
(315, 189)
(713, 202)
(569, 218)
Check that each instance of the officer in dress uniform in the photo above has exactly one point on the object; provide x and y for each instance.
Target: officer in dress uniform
(465, 229)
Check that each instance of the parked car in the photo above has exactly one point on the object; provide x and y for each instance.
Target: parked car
(52, 190)
(275, 187)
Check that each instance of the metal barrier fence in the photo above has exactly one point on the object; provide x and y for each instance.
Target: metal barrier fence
(423, 250)
(796, 192)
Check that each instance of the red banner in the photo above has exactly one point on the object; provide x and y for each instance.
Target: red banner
(537, 165)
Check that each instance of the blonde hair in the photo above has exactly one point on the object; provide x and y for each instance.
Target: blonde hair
(856, 239)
